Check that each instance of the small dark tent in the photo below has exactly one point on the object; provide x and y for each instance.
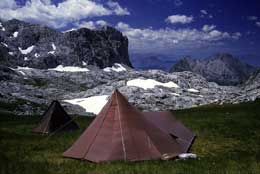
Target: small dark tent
(121, 132)
(54, 119)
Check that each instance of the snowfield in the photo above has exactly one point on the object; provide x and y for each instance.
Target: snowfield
(116, 67)
(69, 69)
(92, 104)
(150, 83)
(27, 50)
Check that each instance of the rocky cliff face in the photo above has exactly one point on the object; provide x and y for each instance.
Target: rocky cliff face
(223, 69)
(24, 44)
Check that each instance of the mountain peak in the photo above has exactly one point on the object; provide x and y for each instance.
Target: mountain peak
(37, 46)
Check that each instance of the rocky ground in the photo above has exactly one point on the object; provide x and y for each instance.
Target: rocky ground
(37, 87)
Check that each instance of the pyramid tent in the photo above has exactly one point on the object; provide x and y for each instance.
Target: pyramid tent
(54, 119)
(121, 132)
(169, 124)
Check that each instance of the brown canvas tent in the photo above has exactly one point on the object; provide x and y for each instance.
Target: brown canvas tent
(54, 119)
(169, 124)
(121, 132)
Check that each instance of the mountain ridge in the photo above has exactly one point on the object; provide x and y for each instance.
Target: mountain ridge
(224, 68)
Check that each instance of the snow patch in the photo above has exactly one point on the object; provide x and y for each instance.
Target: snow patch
(73, 29)
(187, 156)
(84, 63)
(150, 83)
(53, 46)
(4, 44)
(193, 90)
(2, 27)
(51, 52)
(23, 68)
(18, 69)
(175, 94)
(22, 73)
(92, 104)
(27, 50)
(116, 67)
(11, 53)
(62, 68)
(36, 55)
(15, 34)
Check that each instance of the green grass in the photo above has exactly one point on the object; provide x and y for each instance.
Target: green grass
(228, 141)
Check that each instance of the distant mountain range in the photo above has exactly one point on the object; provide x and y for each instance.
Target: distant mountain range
(165, 62)
(223, 69)
(152, 61)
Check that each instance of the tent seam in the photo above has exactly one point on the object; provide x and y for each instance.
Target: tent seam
(122, 137)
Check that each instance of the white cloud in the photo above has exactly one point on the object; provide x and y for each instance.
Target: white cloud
(178, 3)
(117, 8)
(236, 35)
(10, 4)
(252, 18)
(91, 24)
(101, 23)
(204, 12)
(257, 24)
(207, 28)
(122, 26)
(60, 15)
(179, 19)
(171, 40)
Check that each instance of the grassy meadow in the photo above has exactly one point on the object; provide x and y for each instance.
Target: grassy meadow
(228, 141)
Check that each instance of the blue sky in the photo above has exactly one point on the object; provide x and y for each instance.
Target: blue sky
(172, 27)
